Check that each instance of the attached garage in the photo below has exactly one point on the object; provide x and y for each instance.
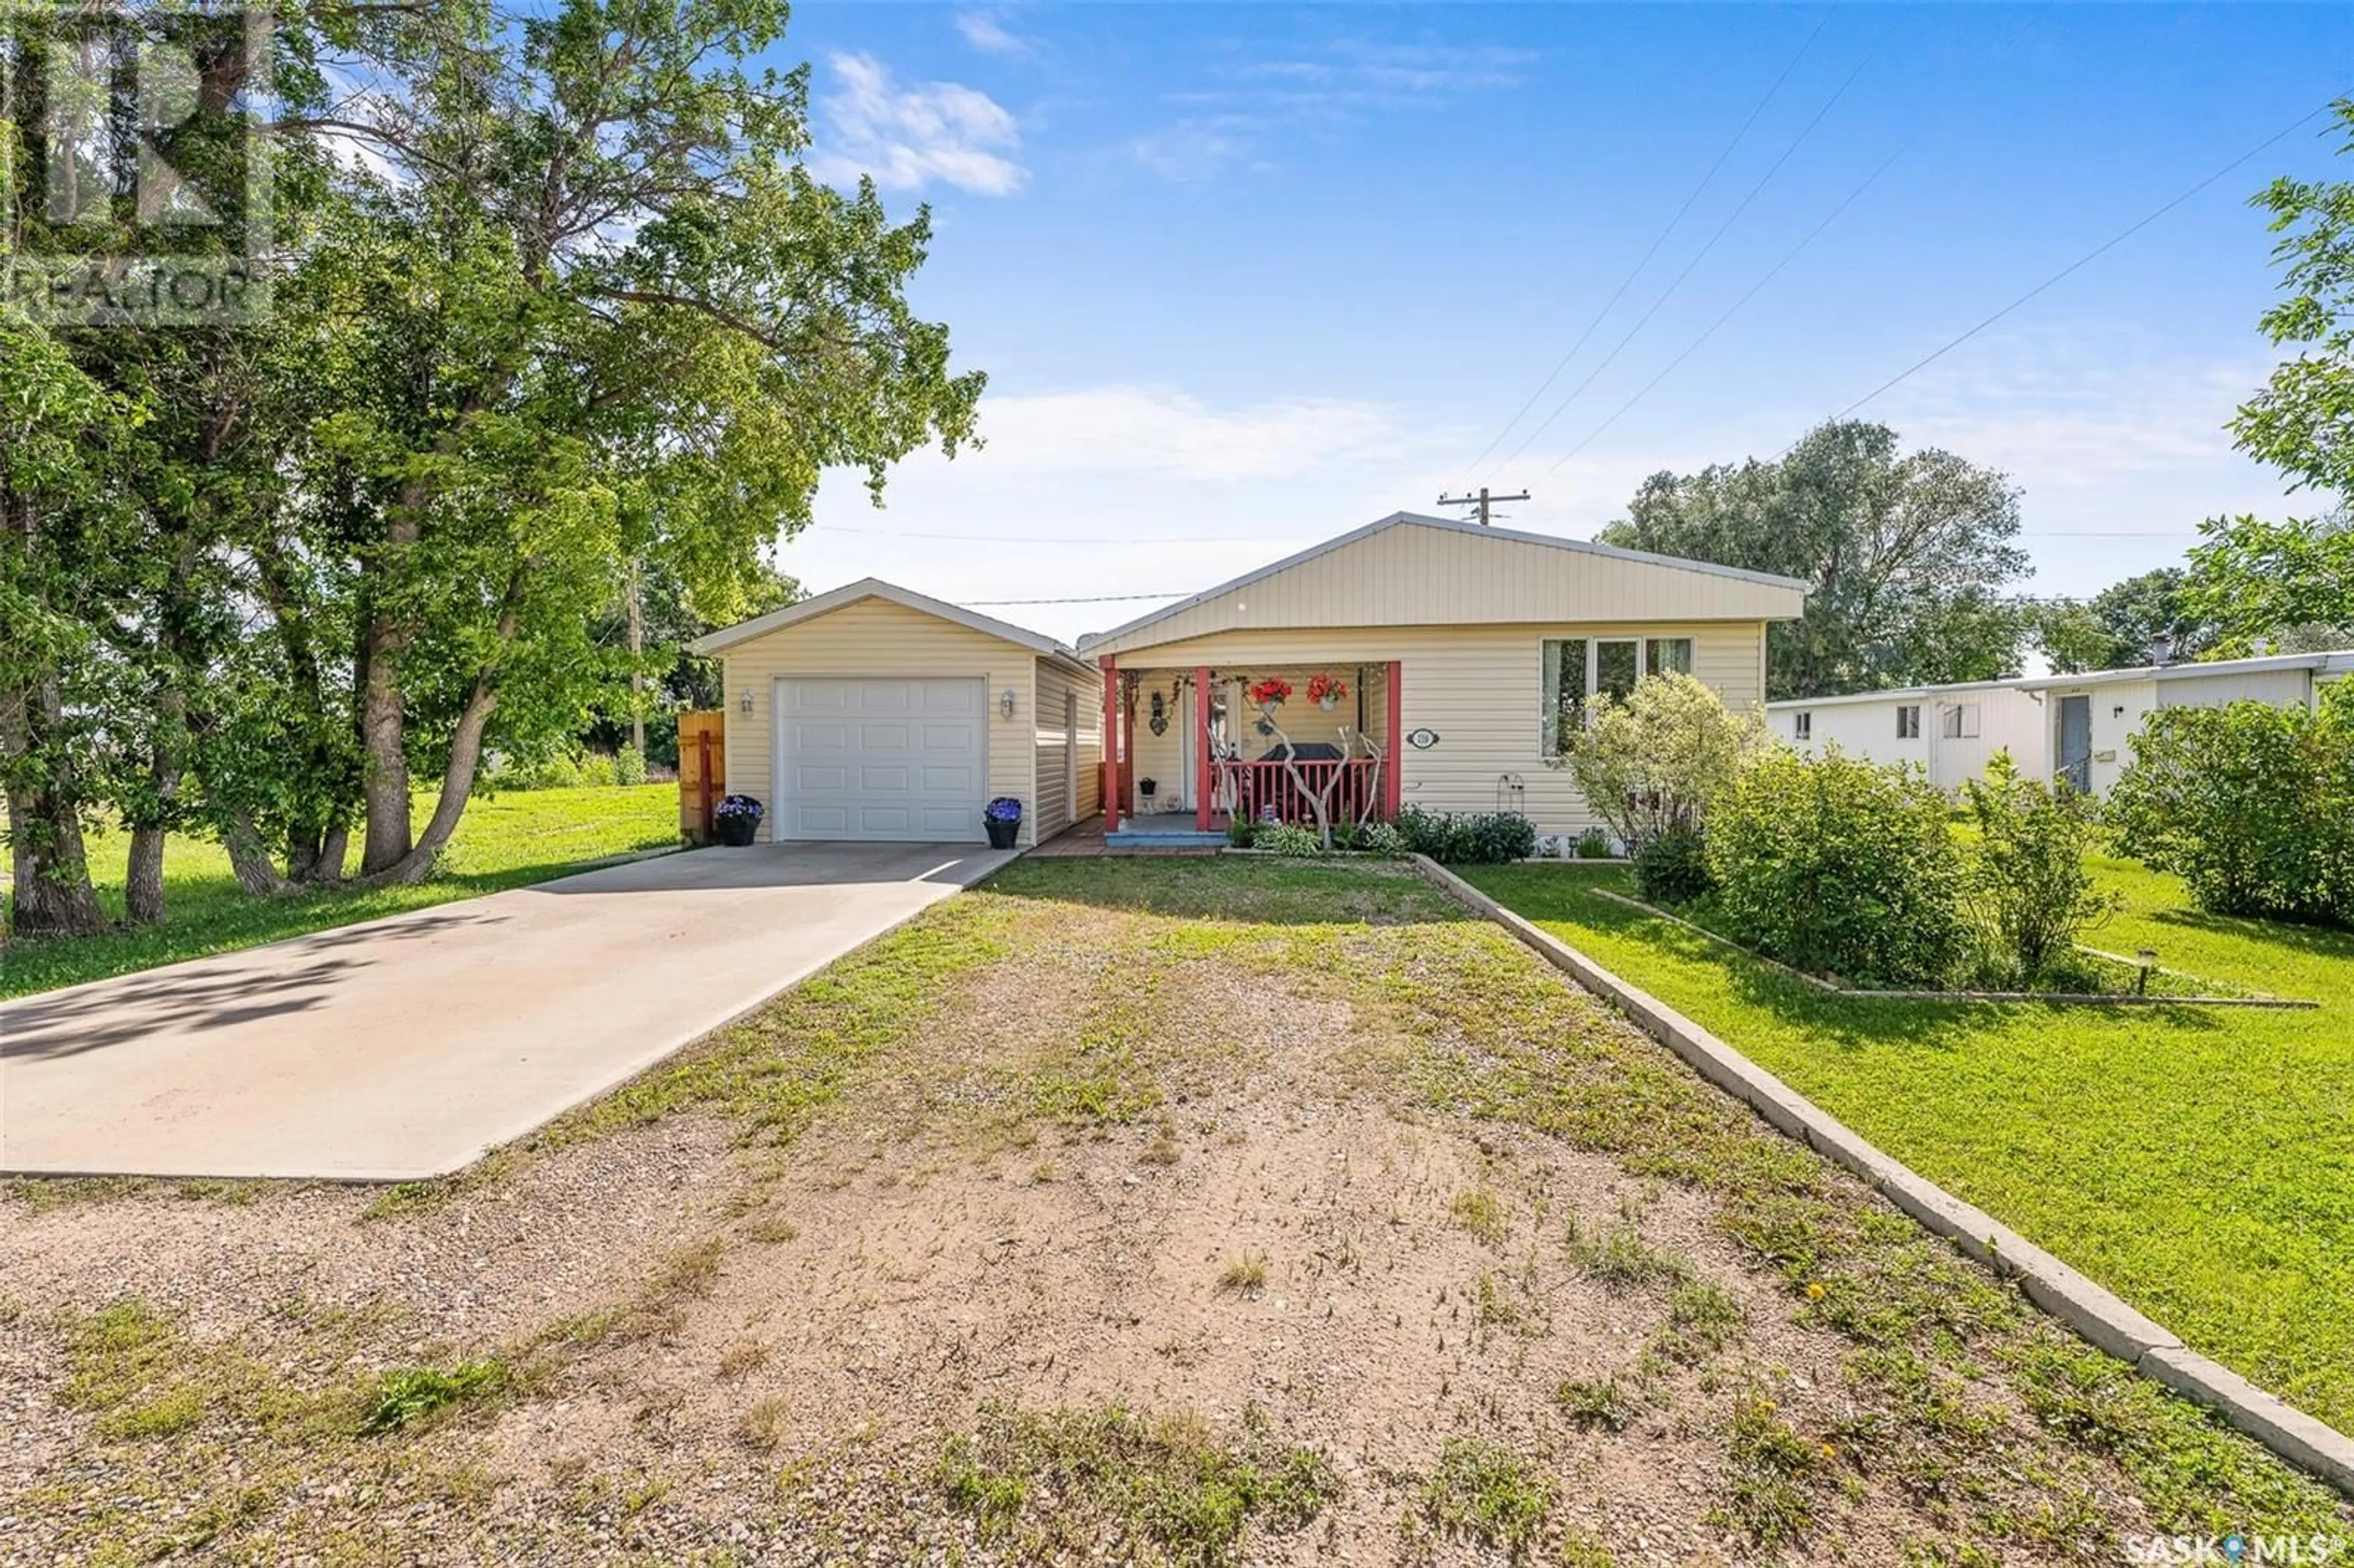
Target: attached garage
(875, 714)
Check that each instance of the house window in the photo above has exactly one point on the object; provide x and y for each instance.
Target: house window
(1579, 669)
(1802, 726)
(1960, 722)
(1908, 722)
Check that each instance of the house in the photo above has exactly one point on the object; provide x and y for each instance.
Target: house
(1460, 654)
(876, 712)
(1452, 657)
(1949, 732)
(2079, 727)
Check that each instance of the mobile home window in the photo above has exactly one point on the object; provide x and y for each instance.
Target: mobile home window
(1908, 722)
(1961, 722)
(1578, 669)
(1802, 726)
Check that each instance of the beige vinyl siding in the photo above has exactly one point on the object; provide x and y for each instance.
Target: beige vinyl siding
(875, 637)
(1053, 810)
(1418, 575)
(1480, 687)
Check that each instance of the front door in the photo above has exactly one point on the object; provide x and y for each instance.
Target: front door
(2076, 743)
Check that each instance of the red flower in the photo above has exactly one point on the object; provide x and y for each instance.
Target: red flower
(1321, 686)
(1269, 692)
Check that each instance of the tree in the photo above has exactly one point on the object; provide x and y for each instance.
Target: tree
(2120, 627)
(596, 318)
(1652, 764)
(1906, 556)
(2259, 579)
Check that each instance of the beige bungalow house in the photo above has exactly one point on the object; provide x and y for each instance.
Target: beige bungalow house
(1414, 661)
(1458, 652)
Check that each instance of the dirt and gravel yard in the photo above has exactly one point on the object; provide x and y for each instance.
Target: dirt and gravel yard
(1194, 1212)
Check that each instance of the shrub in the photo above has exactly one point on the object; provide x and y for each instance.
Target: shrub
(1490, 838)
(1285, 839)
(2028, 887)
(1594, 843)
(1382, 838)
(1241, 830)
(629, 765)
(1672, 866)
(2252, 805)
(1656, 760)
(1837, 866)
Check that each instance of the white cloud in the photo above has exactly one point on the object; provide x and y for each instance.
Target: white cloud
(912, 136)
(1188, 153)
(986, 30)
(1162, 431)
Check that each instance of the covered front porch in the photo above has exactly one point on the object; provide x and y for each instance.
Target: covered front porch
(1186, 750)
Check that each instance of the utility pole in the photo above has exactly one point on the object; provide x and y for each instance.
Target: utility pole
(1481, 503)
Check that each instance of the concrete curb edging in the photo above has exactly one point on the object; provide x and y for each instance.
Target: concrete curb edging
(2093, 1313)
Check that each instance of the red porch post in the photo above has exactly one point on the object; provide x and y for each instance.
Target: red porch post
(1201, 748)
(1392, 792)
(1111, 744)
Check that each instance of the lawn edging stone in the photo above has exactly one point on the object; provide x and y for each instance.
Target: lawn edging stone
(2093, 1312)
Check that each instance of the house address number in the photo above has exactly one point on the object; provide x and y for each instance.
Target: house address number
(1422, 739)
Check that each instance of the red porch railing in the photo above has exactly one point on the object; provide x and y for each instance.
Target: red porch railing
(1257, 786)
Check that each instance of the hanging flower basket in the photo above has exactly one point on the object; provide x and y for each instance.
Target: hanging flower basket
(1326, 692)
(1269, 694)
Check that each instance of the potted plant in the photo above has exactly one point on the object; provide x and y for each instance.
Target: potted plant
(1145, 787)
(737, 817)
(1269, 694)
(1004, 819)
(1327, 690)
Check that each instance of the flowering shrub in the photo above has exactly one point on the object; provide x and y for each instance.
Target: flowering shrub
(1323, 687)
(1269, 692)
(1004, 809)
(735, 807)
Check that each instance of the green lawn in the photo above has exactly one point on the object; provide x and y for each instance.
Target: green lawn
(2198, 1161)
(505, 840)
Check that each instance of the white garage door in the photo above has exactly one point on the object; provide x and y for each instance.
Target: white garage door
(874, 758)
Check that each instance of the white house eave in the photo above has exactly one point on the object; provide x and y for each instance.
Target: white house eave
(2343, 658)
(891, 593)
(1096, 640)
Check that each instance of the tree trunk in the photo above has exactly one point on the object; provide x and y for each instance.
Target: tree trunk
(384, 784)
(52, 893)
(142, 882)
(249, 857)
(637, 651)
(457, 785)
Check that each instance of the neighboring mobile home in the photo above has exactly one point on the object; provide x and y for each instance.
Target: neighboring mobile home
(1453, 657)
(2079, 727)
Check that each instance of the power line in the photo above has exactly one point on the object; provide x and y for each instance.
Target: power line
(1755, 288)
(1627, 282)
(1734, 217)
(2079, 264)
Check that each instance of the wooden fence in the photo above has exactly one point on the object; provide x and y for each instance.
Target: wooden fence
(702, 771)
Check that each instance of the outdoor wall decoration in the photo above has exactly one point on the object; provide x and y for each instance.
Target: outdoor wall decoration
(1326, 691)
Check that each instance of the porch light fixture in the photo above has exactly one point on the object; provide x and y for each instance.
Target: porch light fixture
(1006, 703)
(745, 702)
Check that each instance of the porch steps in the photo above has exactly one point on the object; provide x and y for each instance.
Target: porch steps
(1162, 838)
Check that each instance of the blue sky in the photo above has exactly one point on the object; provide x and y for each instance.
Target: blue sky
(1246, 276)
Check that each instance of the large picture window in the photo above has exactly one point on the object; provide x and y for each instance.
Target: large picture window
(1578, 671)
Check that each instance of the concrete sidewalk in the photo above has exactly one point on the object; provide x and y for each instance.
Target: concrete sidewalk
(406, 1048)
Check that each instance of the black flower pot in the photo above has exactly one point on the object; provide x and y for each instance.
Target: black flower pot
(1001, 834)
(736, 832)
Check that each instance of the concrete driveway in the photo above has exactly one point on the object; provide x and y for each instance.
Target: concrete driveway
(407, 1047)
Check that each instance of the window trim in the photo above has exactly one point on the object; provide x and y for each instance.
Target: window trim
(1548, 740)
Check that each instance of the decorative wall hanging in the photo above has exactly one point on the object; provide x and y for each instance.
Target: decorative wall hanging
(1326, 691)
(1422, 739)
(1159, 722)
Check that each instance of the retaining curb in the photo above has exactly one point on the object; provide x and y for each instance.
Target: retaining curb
(2093, 1313)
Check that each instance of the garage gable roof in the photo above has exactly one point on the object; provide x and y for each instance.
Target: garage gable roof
(1766, 595)
(875, 588)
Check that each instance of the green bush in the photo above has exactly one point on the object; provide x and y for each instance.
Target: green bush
(1382, 838)
(1241, 830)
(2028, 887)
(1285, 839)
(1839, 867)
(1655, 761)
(1672, 866)
(2252, 805)
(629, 765)
(1490, 837)
(1594, 843)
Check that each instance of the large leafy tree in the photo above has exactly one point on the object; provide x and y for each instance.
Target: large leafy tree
(2122, 625)
(594, 317)
(1906, 556)
(2293, 580)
